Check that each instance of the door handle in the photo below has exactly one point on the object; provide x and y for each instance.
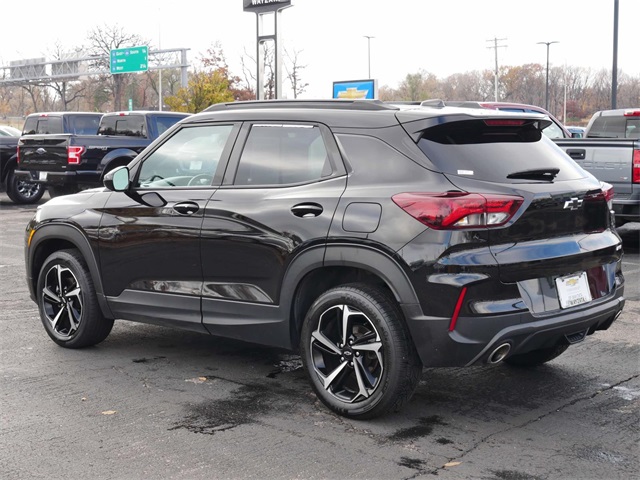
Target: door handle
(307, 210)
(576, 153)
(186, 208)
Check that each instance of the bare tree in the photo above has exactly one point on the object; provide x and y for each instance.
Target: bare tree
(66, 89)
(294, 71)
(249, 69)
(101, 41)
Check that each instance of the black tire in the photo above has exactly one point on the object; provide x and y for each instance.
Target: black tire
(60, 191)
(22, 192)
(385, 368)
(72, 319)
(535, 357)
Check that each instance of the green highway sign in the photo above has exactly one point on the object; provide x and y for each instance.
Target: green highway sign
(127, 60)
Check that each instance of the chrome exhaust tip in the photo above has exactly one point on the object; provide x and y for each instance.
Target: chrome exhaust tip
(499, 353)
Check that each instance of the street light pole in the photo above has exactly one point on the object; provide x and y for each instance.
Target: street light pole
(369, 37)
(546, 92)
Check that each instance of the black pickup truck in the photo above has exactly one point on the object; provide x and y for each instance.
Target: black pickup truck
(23, 191)
(68, 163)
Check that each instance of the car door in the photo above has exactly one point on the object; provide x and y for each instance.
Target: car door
(277, 200)
(149, 236)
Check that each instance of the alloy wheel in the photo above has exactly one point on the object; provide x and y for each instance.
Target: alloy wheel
(62, 301)
(27, 190)
(347, 354)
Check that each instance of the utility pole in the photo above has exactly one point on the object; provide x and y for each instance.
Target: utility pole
(546, 91)
(614, 71)
(369, 37)
(495, 47)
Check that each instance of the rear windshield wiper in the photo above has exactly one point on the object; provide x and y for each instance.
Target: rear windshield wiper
(545, 174)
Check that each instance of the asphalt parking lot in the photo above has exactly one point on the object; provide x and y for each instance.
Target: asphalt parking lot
(151, 402)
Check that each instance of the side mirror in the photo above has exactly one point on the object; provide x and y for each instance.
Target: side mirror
(117, 180)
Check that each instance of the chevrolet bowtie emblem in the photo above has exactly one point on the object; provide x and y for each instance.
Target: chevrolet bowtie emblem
(573, 203)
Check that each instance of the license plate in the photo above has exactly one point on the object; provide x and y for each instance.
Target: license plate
(573, 290)
(42, 176)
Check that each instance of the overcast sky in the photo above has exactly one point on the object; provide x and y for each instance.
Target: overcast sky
(442, 37)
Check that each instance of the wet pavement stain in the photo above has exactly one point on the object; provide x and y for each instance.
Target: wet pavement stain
(444, 441)
(146, 360)
(424, 428)
(414, 463)
(514, 475)
(287, 363)
(215, 416)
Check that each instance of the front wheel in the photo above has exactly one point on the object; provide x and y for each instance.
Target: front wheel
(535, 357)
(23, 192)
(357, 352)
(67, 301)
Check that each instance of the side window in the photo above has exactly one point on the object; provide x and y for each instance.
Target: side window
(553, 131)
(282, 154)
(187, 159)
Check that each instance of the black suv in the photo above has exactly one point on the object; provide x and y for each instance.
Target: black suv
(376, 239)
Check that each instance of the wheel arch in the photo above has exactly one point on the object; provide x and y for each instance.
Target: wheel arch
(116, 158)
(54, 237)
(318, 270)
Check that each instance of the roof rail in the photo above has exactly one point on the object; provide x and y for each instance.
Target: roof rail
(337, 104)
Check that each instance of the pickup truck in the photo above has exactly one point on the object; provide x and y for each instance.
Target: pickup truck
(68, 163)
(24, 191)
(610, 151)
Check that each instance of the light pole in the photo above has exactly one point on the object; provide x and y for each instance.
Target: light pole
(546, 92)
(369, 37)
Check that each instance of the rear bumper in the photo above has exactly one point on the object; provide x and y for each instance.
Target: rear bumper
(77, 178)
(475, 338)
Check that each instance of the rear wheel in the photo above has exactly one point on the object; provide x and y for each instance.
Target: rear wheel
(23, 192)
(67, 301)
(357, 352)
(535, 357)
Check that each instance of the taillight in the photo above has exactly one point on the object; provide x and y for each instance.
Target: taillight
(74, 155)
(636, 166)
(632, 113)
(606, 194)
(459, 210)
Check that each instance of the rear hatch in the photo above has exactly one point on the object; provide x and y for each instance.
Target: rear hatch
(562, 226)
(44, 152)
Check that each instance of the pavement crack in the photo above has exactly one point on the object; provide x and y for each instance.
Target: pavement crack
(529, 422)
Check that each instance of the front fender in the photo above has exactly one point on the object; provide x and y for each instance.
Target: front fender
(45, 240)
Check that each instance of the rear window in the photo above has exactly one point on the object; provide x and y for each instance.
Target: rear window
(492, 152)
(125, 125)
(42, 125)
(164, 122)
(615, 126)
(84, 124)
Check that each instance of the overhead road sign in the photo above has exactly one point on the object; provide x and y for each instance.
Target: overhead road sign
(131, 59)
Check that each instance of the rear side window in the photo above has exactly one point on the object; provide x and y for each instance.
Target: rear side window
(125, 125)
(276, 154)
(477, 150)
(615, 126)
(164, 122)
(83, 124)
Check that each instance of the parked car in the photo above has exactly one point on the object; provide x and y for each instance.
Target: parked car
(576, 132)
(610, 151)
(67, 163)
(373, 239)
(9, 131)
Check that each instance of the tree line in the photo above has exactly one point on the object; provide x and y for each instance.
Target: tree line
(581, 91)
